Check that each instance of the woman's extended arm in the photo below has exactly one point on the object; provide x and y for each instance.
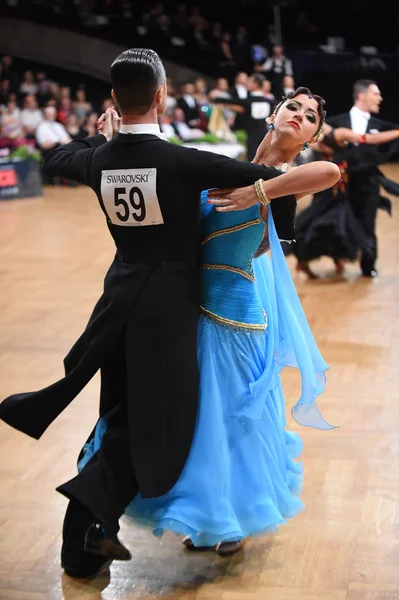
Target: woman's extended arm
(306, 179)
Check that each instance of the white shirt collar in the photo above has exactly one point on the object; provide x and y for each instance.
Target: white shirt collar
(355, 110)
(150, 128)
(190, 100)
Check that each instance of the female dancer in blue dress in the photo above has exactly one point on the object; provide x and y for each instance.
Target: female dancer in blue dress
(241, 477)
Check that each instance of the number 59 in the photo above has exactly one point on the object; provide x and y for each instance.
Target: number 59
(138, 213)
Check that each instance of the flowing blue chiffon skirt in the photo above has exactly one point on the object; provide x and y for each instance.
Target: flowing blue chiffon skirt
(242, 477)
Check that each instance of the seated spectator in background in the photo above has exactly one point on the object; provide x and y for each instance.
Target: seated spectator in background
(11, 126)
(185, 132)
(43, 92)
(42, 81)
(171, 101)
(51, 134)
(196, 18)
(225, 58)
(267, 90)
(164, 28)
(65, 92)
(90, 126)
(180, 24)
(10, 98)
(276, 67)
(201, 96)
(189, 105)
(28, 84)
(9, 72)
(239, 89)
(64, 110)
(199, 37)
(165, 125)
(5, 91)
(55, 91)
(31, 116)
(215, 35)
(151, 17)
(241, 48)
(221, 89)
(80, 106)
(201, 90)
(73, 127)
(288, 85)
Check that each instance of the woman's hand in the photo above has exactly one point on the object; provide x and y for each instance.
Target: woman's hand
(109, 123)
(233, 198)
(305, 179)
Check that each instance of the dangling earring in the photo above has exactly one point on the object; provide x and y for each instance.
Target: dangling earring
(271, 127)
(305, 146)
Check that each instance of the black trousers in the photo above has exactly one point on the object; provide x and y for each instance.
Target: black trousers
(364, 193)
(107, 484)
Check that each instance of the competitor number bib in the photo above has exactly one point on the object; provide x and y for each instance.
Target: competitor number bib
(130, 197)
(260, 110)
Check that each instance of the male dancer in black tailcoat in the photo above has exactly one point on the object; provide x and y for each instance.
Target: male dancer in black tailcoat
(142, 332)
(363, 160)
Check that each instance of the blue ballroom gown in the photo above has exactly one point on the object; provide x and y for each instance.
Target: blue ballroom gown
(241, 477)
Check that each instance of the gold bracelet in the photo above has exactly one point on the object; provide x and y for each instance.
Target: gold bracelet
(262, 197)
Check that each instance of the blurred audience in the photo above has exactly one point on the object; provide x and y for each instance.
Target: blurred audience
(50, 133)
(73, 127)
(183, 130)
(11, 126)
(41, 113)
(31, 115)
(189, 104)
(28, 85)
(81, 107)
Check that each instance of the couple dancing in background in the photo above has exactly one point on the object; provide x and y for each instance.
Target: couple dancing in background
(340, 222)
(202, 452)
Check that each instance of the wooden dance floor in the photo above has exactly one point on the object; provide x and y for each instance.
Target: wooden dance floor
(54, 252)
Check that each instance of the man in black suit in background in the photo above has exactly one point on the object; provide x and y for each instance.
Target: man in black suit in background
(189, 105)
(363, 161)
(142, 334)
(254, 110)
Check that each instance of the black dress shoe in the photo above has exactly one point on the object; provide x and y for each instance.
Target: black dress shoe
(86, 549)
(98, 542)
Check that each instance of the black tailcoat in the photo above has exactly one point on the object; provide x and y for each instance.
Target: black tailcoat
(151, 297)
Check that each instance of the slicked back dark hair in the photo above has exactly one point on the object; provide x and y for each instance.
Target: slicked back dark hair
(320, 105)
(136, 75)
(361, 85)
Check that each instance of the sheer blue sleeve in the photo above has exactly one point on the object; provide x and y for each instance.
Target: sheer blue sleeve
(294, 344)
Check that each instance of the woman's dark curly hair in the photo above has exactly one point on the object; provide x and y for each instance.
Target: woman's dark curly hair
(320, 105)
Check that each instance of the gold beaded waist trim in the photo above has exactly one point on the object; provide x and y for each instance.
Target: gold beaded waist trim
(231, 230)
(229, 268)
(240, 324)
